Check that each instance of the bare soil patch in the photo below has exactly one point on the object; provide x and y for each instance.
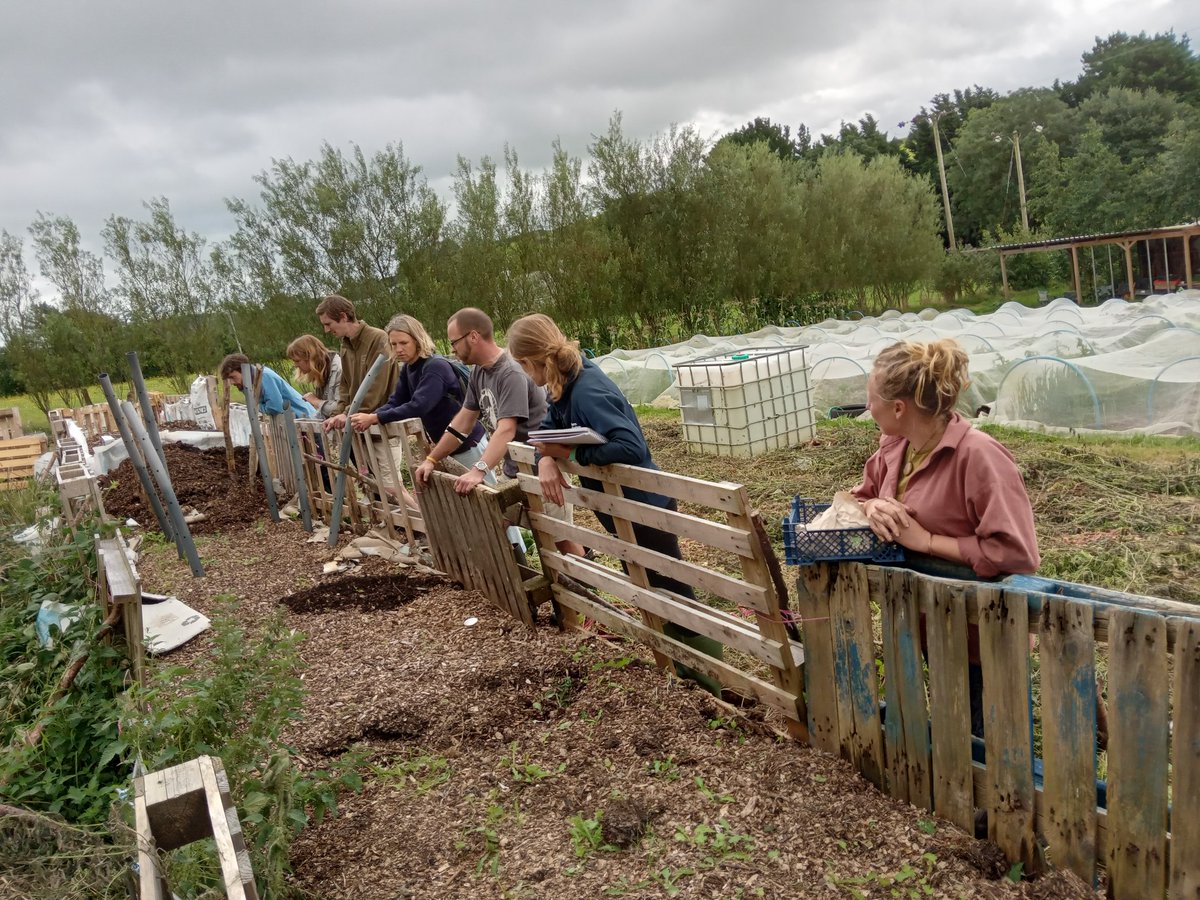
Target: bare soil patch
(500, 761)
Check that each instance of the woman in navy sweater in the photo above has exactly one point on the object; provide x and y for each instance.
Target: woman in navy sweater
(579, 393)
(427, 388)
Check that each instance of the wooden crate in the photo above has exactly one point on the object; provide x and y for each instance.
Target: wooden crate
(17, 458)
(10, 423)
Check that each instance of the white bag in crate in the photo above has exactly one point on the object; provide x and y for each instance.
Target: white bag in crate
(201, 409)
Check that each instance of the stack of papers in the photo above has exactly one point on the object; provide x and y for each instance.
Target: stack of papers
(575, 437)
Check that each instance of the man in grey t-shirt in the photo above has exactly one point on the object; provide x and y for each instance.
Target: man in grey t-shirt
(503, 397)
(499, 393)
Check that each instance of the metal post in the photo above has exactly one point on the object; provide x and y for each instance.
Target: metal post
(937, 144)
(339, 488)
(183, 536)
(135, 457)
(139, 385)
(289, 420)
(264, 468)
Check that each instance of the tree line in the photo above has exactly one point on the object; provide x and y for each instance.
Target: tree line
(638, 243)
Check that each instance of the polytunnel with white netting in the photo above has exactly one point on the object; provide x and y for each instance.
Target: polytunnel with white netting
(1120, 366)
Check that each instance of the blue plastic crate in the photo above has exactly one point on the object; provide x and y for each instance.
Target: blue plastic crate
(802, 547)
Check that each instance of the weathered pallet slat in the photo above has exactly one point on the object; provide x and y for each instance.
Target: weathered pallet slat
(813, 590)
(1068, 671)
(1004, 652)
(945, 609)
(860, 735)
(1137, 755)
(908, 750)
(1185, 784)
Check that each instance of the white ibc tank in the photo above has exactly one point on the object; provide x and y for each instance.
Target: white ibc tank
(746, 403)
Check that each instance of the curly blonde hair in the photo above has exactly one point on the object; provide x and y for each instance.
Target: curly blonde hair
(536, 339)
(315, 355)
(931, 375)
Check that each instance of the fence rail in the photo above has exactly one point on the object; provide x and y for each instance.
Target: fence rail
(917, 745)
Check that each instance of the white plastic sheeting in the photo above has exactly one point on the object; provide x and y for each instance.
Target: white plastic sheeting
(1119, 366)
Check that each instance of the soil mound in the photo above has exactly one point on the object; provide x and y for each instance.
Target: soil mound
(365, 593)
(200, 480)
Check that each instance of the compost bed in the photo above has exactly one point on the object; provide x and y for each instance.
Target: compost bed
(201, 480)
(504, 762)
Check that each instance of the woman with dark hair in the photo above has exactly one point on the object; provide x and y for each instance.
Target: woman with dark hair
(274, 389)
(320, 367)
(579, 393)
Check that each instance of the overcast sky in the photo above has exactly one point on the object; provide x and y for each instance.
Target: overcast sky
(107, 104)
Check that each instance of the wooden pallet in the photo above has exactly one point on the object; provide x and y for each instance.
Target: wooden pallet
(10, 423)
(17, 458)
(186, 803)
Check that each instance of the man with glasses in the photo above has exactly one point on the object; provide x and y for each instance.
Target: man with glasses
(500, 395)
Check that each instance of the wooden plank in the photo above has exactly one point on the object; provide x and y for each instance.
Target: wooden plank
(720, 537)
(814, 586)
(727, 674)
(227, 851)
(487, 549)
(1004, 652)
(945, 608)
(860, 734)
(446, 545)
(719, 495)
(176, 805)
(637, 573)
(1137, 755)
(1068, 676)
(907, 673)
(734, 590)
(366, 448)
(895, 762)
(713, 623)
(510, 573)
(1185, 781)
(150, 881)
(755, 570)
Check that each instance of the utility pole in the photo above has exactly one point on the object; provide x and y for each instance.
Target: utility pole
(1016, 142)
(937, 144)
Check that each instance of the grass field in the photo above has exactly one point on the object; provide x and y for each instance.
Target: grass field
(33, 419)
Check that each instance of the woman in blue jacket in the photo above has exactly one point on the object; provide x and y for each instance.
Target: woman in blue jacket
(579, 393)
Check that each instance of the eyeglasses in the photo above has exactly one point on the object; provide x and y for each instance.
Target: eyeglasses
(454, 343)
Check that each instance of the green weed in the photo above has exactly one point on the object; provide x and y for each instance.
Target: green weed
(587, 835)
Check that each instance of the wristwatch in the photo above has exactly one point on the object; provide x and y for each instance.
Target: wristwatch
(482, 466)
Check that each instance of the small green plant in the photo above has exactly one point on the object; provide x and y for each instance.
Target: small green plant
(1016, 872)
(665, 768)
(489, 832)
(927, 826)
(619, 663)
(709, 794)
(910, 881)
(558, 696)
(587, 835)
(422, 772)
(719, 842)
(523, 771)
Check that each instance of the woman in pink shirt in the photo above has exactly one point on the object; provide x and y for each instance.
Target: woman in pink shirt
(937, 485)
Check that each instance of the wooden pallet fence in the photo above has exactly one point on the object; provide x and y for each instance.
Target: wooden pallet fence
(94, 420)
(10, 423)
(17, 459)
(182, 804)
(119, 585)
(1051, 803)
(637, 610)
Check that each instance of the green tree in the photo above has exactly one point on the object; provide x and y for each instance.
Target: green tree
(170, 289)
(864, 139)
(778, 138)
(17, 294)
(89, 315)
(983, 180)
(368, 228)
(1164, 63)
(1134, 123)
